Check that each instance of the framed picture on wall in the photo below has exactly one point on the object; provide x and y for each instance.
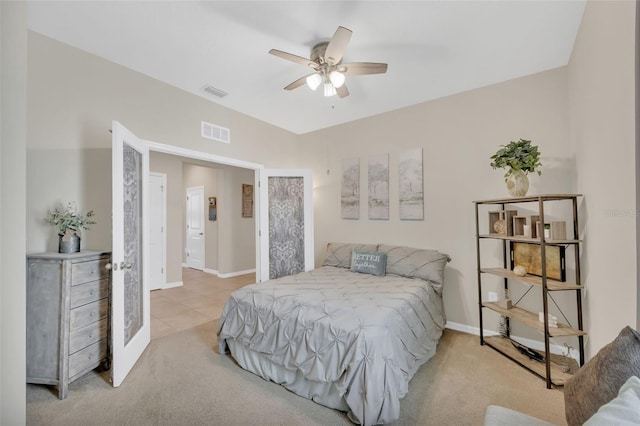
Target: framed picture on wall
(213, 211)
(530, 256)
(247, 200)
(410, 176)
(350, 191)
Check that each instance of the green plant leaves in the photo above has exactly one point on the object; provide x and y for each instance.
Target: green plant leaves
(69, 219)
(517, 155)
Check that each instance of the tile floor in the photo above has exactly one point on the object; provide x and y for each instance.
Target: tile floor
(200, 299)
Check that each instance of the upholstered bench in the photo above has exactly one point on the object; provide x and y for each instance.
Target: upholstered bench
(605, 391)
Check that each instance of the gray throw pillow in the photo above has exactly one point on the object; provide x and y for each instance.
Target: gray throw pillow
(410, 262)
(600, 379)
(339, 254)
(369, 262)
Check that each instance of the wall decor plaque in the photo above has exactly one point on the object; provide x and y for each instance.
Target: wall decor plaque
(247, 200)
(350, 191)
(411, 180)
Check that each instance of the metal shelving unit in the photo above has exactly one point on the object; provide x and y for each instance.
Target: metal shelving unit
(547, 370)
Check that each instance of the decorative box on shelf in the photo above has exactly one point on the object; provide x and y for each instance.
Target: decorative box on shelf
(501, 222)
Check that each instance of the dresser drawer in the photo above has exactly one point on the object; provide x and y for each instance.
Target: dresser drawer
(89, 313)
(83, 337)
(87, 357)
(89, 292)
(84, 272)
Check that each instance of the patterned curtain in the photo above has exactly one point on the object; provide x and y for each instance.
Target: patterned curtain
(133, 300)
(286, 226)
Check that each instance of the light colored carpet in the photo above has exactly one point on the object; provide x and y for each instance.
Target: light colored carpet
(182, 380)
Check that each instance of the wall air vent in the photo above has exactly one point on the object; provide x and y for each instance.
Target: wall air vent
(214, 91)
(215, 132)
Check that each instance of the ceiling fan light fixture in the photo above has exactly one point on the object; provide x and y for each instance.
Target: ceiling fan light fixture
(337, 78)
(313, 81)
(326, 61)
(329, 89)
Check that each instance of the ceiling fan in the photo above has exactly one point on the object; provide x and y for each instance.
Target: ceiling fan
(326, 60)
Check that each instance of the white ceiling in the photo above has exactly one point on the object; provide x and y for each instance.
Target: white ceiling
(433, 48)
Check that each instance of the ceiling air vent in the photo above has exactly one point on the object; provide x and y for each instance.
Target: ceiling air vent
(215, 91)
(214, 132)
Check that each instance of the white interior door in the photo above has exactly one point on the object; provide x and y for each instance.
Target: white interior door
(195, 227)
(285, 225)
(157, 230)
(131, 331)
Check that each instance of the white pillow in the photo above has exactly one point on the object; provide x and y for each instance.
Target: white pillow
(623, 410)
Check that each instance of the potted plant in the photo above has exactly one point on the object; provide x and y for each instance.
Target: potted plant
(519, 158)
(69, 222)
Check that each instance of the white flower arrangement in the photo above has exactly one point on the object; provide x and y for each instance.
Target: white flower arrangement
(69, 219)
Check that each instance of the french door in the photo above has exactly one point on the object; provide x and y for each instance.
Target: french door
(130, 328)
(285, 223)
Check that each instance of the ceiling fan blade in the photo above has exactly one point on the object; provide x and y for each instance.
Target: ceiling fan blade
(293, 58)
(299, 82)
(362, 68)
(343, 91)
(337, 46)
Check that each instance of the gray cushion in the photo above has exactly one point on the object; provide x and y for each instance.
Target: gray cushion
(339, 254)
(368, 262)
(416, 263)
(623, 410)
(600, 379)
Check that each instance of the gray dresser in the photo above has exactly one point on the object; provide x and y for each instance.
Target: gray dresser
(68, 316)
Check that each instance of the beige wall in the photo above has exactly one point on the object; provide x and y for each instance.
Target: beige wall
(13, 134)
(237, 236)
(458, 134)
(602, 134)
(57, 176)
(73, 97)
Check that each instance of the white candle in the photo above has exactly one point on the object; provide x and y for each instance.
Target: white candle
(527, 230)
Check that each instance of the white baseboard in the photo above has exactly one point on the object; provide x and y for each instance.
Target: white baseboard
(227, 275)
(534, 344)
(172, 285)
(235, 274)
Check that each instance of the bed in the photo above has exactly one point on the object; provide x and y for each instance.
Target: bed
(345, 339)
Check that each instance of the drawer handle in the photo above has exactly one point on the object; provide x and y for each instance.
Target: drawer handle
(92, 292)
(90, 314)
(90, 336)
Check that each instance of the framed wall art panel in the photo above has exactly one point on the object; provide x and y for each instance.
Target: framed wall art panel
(529, 256)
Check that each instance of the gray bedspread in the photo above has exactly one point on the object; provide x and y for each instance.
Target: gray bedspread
(363, 332)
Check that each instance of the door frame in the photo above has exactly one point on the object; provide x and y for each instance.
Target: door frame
(163, 211)
(213, 158)
(199, 188)
(262, 177)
